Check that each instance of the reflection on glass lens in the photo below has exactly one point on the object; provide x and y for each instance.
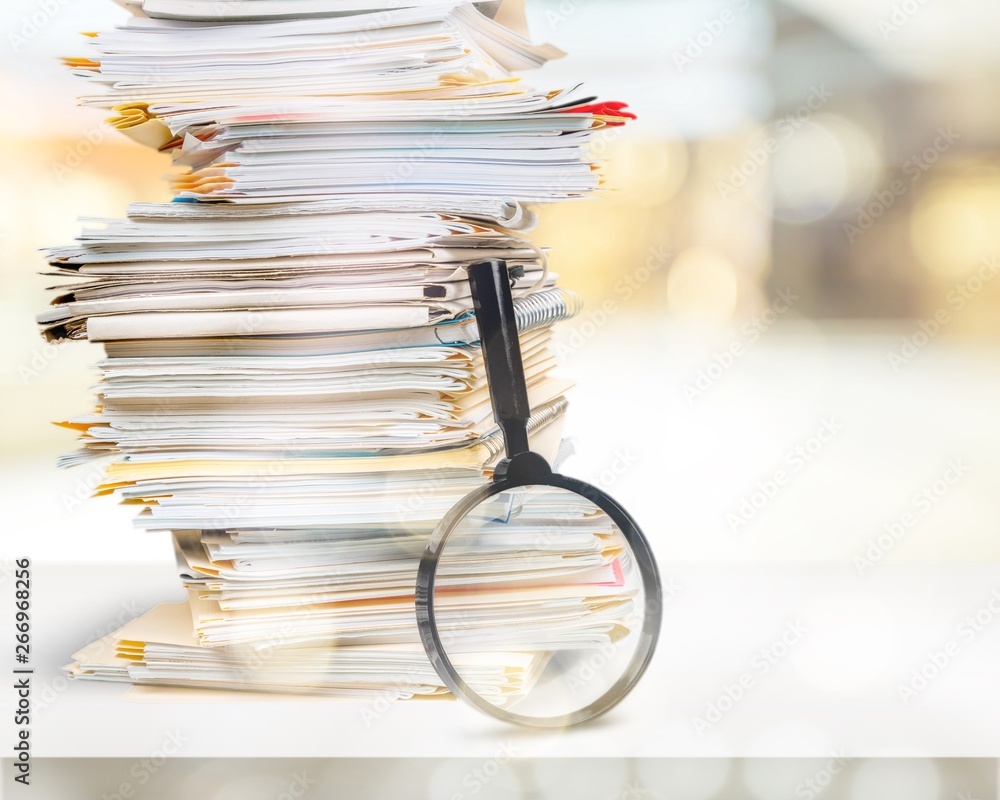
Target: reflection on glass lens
(538, 601)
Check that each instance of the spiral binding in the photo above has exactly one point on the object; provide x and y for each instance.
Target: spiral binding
(542, 416)
(545, 308)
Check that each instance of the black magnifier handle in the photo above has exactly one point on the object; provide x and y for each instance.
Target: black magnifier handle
(494, 304)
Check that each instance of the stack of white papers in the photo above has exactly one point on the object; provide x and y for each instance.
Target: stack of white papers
(152, 277)
(405, 400)
(158, 649)
(293, 384)
(353, 582)
(407, 100)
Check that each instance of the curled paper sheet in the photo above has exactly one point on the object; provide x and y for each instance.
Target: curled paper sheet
(135, 121)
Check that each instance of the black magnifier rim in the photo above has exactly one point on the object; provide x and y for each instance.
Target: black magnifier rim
(649, 635)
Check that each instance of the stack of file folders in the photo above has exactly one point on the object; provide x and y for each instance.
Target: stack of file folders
(292, 383)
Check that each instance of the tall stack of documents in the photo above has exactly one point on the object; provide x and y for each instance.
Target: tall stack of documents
(292, 383)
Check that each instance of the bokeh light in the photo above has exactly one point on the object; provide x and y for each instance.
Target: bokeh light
(702, 284)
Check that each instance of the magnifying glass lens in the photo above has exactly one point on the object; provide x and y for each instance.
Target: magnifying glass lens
(538, 601)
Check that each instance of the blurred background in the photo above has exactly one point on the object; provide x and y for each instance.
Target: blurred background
(794, 270)
(808, 207)
(847, 149)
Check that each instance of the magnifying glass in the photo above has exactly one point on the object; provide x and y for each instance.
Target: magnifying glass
(538, 599)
